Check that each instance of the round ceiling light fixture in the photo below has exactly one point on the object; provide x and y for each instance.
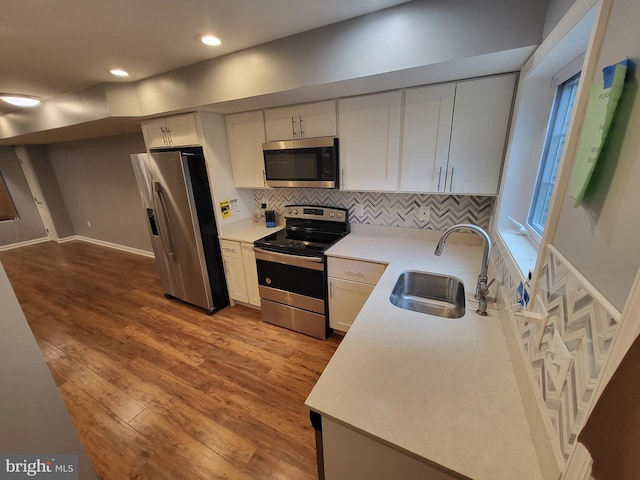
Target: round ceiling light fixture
(208, 39)
(118, 72)
(20, 100)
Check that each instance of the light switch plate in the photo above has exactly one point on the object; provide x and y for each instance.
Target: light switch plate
(424, 214)
(557, 361)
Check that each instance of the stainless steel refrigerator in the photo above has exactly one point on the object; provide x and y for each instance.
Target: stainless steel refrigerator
(175, 193)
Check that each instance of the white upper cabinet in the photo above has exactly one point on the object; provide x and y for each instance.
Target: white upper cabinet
(245, 133)
(175, 131)
(370, 141)
(428, 114)
(302, 121)
(478, 135)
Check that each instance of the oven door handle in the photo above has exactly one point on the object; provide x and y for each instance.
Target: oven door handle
(315, 263)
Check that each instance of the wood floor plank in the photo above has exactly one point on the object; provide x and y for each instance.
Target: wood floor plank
(157, 389)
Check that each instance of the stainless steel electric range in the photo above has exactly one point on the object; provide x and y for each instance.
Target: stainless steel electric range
(292, 268)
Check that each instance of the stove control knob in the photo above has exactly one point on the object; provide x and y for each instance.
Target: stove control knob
(332, 214)
(295, 212)
(289, 211)
(268, 281)
(339, 215)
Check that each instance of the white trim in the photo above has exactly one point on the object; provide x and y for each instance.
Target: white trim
(103, 243)
(579, 465)
(588, 286)
(23, 244)
(573, 16)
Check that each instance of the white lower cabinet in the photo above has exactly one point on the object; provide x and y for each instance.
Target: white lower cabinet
(240, 270)
(350, 284)
(250, 273)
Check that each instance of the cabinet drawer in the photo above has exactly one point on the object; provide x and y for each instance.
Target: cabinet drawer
(365, 272)
(230, 249)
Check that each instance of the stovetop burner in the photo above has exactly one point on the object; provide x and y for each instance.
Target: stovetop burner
(310, 230)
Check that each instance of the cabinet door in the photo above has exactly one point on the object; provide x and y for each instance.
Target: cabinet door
(183, 130)
(317, 119)
(236, 283)
(251, 273)
(369, 141)
(479, 133)
(154, 133)
(281, 123)
(245, 133)
(428, 114)
(346, 299)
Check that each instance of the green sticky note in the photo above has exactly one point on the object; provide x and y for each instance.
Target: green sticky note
(600, 111)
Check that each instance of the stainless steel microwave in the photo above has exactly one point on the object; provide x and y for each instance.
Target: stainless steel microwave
(311, 162)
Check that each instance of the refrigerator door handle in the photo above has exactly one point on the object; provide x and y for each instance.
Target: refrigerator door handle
(168, 243)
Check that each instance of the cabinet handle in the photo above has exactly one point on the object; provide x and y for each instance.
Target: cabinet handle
(293, 126)
(351, 273)
(164, 136)
(330, 290)
(451, 182)
(439, 177)
(301, 126)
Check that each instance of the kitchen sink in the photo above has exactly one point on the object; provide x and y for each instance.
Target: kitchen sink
(424, 292)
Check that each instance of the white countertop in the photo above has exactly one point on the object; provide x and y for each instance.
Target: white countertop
(441, 389)
(247, 231)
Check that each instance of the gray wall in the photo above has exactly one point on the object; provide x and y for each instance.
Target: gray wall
(98, 186)
(50, 189)
(29, 226)
(555, 11)
(411, 36)
(601, 237)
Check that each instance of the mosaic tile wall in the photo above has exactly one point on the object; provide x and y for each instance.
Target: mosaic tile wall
(389, 209)
(585, 326)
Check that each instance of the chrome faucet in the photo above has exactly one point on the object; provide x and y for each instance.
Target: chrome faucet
(482, 287)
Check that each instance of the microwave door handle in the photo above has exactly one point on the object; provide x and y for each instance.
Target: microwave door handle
(168, 242)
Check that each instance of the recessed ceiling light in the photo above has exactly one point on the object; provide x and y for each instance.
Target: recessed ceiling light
(118, 72)
(20, 100)
(208, 39)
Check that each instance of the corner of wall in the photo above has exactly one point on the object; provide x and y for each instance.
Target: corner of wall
(587, 324)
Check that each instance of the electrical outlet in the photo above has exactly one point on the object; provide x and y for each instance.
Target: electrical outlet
(424, 214)
(359, 209)
(263, 206)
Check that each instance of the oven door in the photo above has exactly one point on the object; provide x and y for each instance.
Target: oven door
(293, 291)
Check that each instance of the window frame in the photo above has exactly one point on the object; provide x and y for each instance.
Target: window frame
(569, 73)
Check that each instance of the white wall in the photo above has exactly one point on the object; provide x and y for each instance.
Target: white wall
(98, 185)
(600, 238)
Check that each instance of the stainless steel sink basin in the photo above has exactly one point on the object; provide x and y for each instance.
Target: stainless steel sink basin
(431, 293)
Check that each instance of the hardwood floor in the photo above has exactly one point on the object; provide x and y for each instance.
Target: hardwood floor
(157, 389)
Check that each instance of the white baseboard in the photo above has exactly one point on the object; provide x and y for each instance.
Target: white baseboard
(103, 243)
(23, 244)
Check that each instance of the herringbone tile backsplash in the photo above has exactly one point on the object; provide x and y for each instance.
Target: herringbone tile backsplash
(586, 327)
(388, 209)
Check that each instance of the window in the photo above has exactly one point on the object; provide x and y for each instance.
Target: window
(7, 208)
(551, 152)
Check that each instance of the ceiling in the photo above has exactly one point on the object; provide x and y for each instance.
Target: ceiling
(52, 47)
